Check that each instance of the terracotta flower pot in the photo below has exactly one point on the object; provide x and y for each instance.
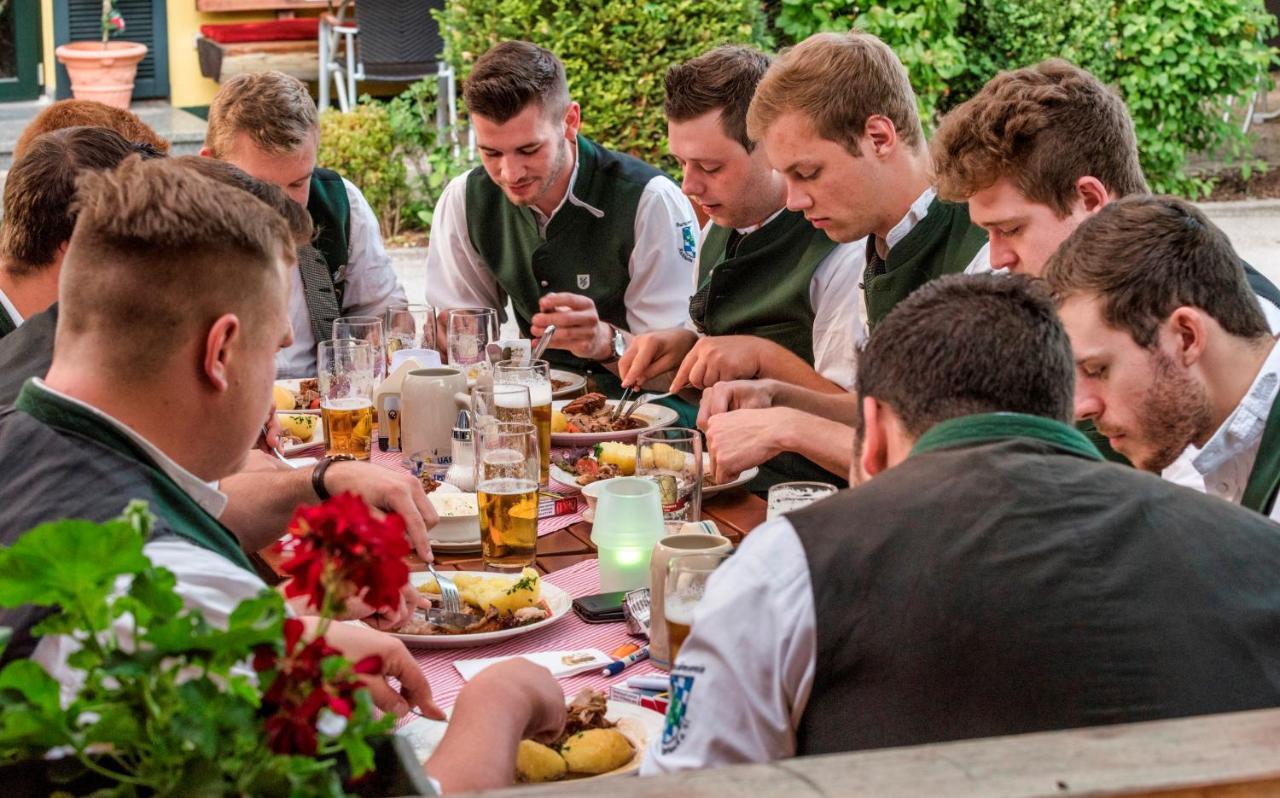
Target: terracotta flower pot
(102, 74)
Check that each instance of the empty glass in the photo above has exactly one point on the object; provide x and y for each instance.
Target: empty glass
(470, 332)
(364, 328)
(787, 496)
(410, 327)
(672, 457)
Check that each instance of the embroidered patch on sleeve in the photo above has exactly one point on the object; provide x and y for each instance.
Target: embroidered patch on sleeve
(688, 242)
(674, 730)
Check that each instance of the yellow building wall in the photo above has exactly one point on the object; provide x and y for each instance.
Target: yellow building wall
(46, 34)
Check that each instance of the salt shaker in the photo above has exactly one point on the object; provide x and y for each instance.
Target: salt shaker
(461, 470)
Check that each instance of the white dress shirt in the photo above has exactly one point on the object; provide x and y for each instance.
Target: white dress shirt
(657, 297)
(744, 675)
(371, 287)
(1223, 466)
(10, 309)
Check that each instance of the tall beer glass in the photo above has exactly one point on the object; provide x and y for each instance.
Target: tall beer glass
(345, 370)
(365, 328)
(507, 490)
(409, 327)
(687, 577)
(536, 376)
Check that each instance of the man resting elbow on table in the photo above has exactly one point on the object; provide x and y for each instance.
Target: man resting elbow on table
(161, 374)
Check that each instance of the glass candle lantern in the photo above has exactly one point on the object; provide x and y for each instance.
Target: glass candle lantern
(628, 521)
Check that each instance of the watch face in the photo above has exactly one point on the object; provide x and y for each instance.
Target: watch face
(619, 343)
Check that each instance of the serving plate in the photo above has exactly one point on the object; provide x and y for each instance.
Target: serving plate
(639, 725)
(558, 601)
(656, 416)
(317, 437)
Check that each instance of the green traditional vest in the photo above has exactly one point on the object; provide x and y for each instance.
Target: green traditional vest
(763, 290)
(1264, 479)
(180, 513)
(944, 242)
(582, 253)
(331, 215)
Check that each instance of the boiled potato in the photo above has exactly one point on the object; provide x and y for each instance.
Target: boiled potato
(663, 457)
(597, 751)
(496, 591)
(536, 763)
(284, 398)
(622, 455)
(558, 422)
(300, 425)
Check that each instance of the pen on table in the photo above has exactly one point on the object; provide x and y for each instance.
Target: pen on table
(630, 659)
(649, 682)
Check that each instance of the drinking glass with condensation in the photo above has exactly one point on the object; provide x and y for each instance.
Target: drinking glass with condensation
(506, 463)
(345, 372)
(787, 496)
(687, 578)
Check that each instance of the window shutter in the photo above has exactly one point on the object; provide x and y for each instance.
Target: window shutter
(145, 22)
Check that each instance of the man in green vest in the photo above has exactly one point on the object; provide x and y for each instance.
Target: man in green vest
(266, 124)
(837, 118)
(594, 242)
(989, 575)
(1172, 349)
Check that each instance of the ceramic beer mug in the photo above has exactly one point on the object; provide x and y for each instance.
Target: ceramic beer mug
(663, 551)
(427, 411)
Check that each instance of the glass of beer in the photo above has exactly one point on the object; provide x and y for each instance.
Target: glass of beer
(409, 327)
(470, 331)
(364, 328)
(672, 457)
(536, 376)
(507, 492)
(345, 371)
(506, 402)
(687, 577)
(787, 496)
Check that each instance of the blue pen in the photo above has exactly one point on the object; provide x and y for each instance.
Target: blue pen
(614, 668)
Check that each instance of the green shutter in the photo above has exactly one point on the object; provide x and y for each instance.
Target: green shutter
(145, 22)
(19, 50)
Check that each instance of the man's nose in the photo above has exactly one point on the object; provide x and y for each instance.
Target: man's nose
(1088, 403)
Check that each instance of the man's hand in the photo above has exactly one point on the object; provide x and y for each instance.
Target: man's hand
(578, 325)
(386, 619)
(269, 440)
(390, 491)
(724, 397)
(653, 354)
(357, 642)
(719, 358)
(740, 439)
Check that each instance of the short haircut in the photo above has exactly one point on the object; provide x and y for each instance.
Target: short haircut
(511, 75)
(1144, 257)
(89, 113)
(40, 188)
(273, 109)
(837, 81)
(967, 344)
(723, 80)
(1043, 127)
(160, 252)
(296, 216)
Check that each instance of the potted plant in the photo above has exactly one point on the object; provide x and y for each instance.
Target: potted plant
(103, 71)
(182, 708)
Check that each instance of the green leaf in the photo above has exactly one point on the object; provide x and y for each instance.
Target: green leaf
(26, 678)
(69, 563)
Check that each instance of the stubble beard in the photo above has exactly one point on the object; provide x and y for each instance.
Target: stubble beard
(557, 169)
(1175, 413)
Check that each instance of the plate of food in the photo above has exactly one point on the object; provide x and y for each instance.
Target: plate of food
(582, 467)
(502, 606)
(299, 432)
(302, 396)
(585, 421)
(601, 739)
(565, 384)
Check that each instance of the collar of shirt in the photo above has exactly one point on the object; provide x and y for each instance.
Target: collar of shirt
(569, 196)
(206, 495)
(1241, 434)
(10, 309)
(748, 230)
(919, 210)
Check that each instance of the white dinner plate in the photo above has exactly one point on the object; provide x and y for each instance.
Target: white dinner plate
(568, 480)
(639, 725)
(576, 383)
(558, 601)
(656, 416)
(317, 437)
(293, 385)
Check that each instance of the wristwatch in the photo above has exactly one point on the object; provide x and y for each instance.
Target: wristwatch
(317, 474)
(617, 345)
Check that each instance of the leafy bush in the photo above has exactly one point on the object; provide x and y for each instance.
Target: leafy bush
(360, 146)
(435, 156)
(615, 53)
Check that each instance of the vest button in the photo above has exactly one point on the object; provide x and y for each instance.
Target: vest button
(544, 283)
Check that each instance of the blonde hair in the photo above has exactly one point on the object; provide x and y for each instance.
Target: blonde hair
(273, 109)
(158, 253)
(837, 81)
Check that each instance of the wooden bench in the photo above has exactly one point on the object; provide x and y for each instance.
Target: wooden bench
(297, 57)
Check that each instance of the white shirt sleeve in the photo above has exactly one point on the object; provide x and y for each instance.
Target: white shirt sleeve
(838, 328)
(981, 263)
(662, 261)
(457, 277)
(206, 582)
(371, 282)
(1272, 314)
(743, 677)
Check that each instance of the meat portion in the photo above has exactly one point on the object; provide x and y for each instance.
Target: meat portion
(586, 711)
(587, 404)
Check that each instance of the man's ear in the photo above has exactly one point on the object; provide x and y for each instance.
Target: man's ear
(1185, 330)
(206, 151)
(223, 334)
(879, 136)
(875, 438)
(1091, 194)
(572, 121)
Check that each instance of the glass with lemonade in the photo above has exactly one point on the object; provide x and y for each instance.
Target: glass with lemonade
(345, 371)
(507, 491)
(536, 376)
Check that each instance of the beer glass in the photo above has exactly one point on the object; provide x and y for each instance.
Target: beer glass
(345, 371)
(787, 496)
(491, 404)
(672, 457)
(687, 577)
(410, 327)
(364, 328)
(536, 376)
(507, 492)
(470, 332)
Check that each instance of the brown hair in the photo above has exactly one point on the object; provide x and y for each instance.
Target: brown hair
(273, 109)
(837, 81)
(511, 75)
(1145, 257)
(1044, 127)
(159, 252)
(89, 113)
(38, 193)
(296, 216)
(967, 344)
(723, 80)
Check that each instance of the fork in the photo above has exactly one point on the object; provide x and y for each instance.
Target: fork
(640, 401)
(449, 595)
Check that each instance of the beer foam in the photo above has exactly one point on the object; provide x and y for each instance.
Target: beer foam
(679, 609)
(507, 487)
(349, 403)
